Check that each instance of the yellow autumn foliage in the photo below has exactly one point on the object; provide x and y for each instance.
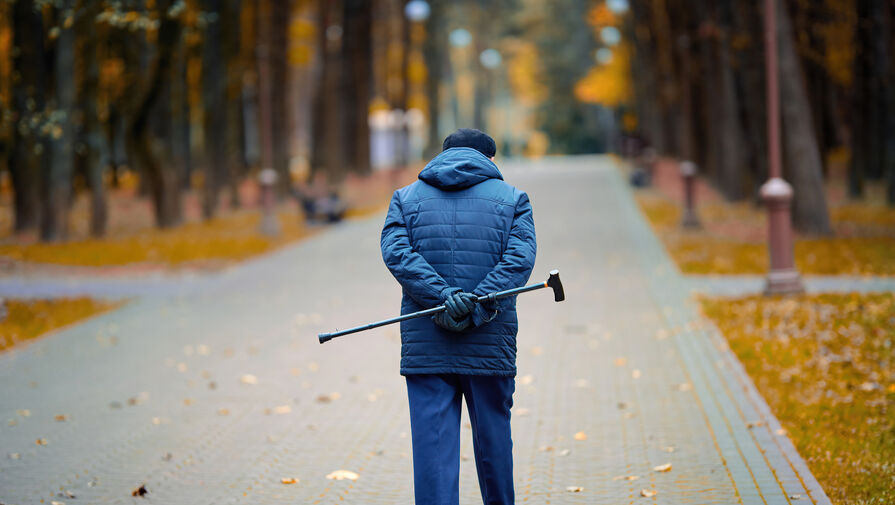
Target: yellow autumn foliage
(28, 319)
(609, 84)
(823, 363)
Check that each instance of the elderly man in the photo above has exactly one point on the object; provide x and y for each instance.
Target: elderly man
(458, 232)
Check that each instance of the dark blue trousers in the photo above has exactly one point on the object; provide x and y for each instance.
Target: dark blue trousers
(435, 403)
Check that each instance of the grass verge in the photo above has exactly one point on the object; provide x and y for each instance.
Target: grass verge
(732, 240)
(826, 366)
(218, 241)
(28, 319)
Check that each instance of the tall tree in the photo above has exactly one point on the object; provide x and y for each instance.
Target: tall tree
(357, 73)
(30, 76)
(327, 153)
(90, 144)
(163, 183)
(214, 95)
(58, 175)
(801, 152)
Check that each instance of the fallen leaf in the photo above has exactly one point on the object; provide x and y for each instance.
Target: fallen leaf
(668, 448)
(187, 401)
(754, 424)
(23, 412)
(282, 409)
(223, 412)
(662, 468)
(626, 477)
(647, 493)
(203, 350)
(181, 367)
(574, 489)
(140, 491)
(61, 417)
(620, 361)
(795, 497)
(545, 448)
(342, 475)
(41, 441)
(11, 422)
(685, 386)
(313, 366)
(156, 421)
(57, 503)
(892, 388)
(324, 399)
(249, 379)
(780, 432)
(295, 372)
(565, 452)
(526, 380)
(580, 436)
(635, 374)
(14, 455)
(167, 456)
(289, 480)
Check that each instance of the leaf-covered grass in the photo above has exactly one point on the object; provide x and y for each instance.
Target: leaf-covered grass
(29, 319)
(218, 241)
(826, 366)
(733, 240)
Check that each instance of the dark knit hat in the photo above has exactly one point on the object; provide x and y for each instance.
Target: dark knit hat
(469, 137)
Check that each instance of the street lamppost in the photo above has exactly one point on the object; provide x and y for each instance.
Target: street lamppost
(783, 278)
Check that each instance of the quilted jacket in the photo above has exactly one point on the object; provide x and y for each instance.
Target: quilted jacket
(460, 226)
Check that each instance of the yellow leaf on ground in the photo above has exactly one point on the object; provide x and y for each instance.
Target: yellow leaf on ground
(581, 436)
(647, 493)
(282, 409)
(249, 379)
(626, 477)
(662, 468)
(289, 480)
(621, 361)
(342, 475)
(574, 489)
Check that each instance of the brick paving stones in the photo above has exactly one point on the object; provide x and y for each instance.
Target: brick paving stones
(622, 377)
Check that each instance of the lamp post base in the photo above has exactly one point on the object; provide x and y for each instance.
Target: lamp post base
(783, 282)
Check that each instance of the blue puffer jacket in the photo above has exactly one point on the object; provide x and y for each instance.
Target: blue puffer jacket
(459, 226)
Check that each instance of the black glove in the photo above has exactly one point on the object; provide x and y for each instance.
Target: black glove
(460, 304)
(444, 320)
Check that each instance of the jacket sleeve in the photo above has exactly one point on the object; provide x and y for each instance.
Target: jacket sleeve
(517, 261)
(419, 280)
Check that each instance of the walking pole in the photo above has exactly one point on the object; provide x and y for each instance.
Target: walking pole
(551, 282)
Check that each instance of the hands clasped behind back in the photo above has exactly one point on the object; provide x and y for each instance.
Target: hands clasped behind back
(458, 308)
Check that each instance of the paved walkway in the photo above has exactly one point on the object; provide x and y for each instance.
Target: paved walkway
(215, 393)
(738, 285)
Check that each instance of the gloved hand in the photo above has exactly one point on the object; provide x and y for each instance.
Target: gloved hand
(444, 320)
(460, 304)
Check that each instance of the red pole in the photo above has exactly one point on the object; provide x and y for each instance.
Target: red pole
(782, 278)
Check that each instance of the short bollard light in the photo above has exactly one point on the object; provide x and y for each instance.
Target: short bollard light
(270, 226)
(688, 173)
(783, 278)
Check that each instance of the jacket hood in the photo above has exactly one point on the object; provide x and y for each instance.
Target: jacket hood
(459, 168)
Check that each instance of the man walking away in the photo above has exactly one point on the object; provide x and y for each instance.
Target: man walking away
(458, 232)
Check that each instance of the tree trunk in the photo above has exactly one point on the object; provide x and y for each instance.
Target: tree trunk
(802, 155)
(58, 178)
(751, 78)
(327, 152)
(282, 131)
(214, 90)
(357, 72)
(162, 180)
(90, 137)
(29, 92)
(731, 146)
(236, 160)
